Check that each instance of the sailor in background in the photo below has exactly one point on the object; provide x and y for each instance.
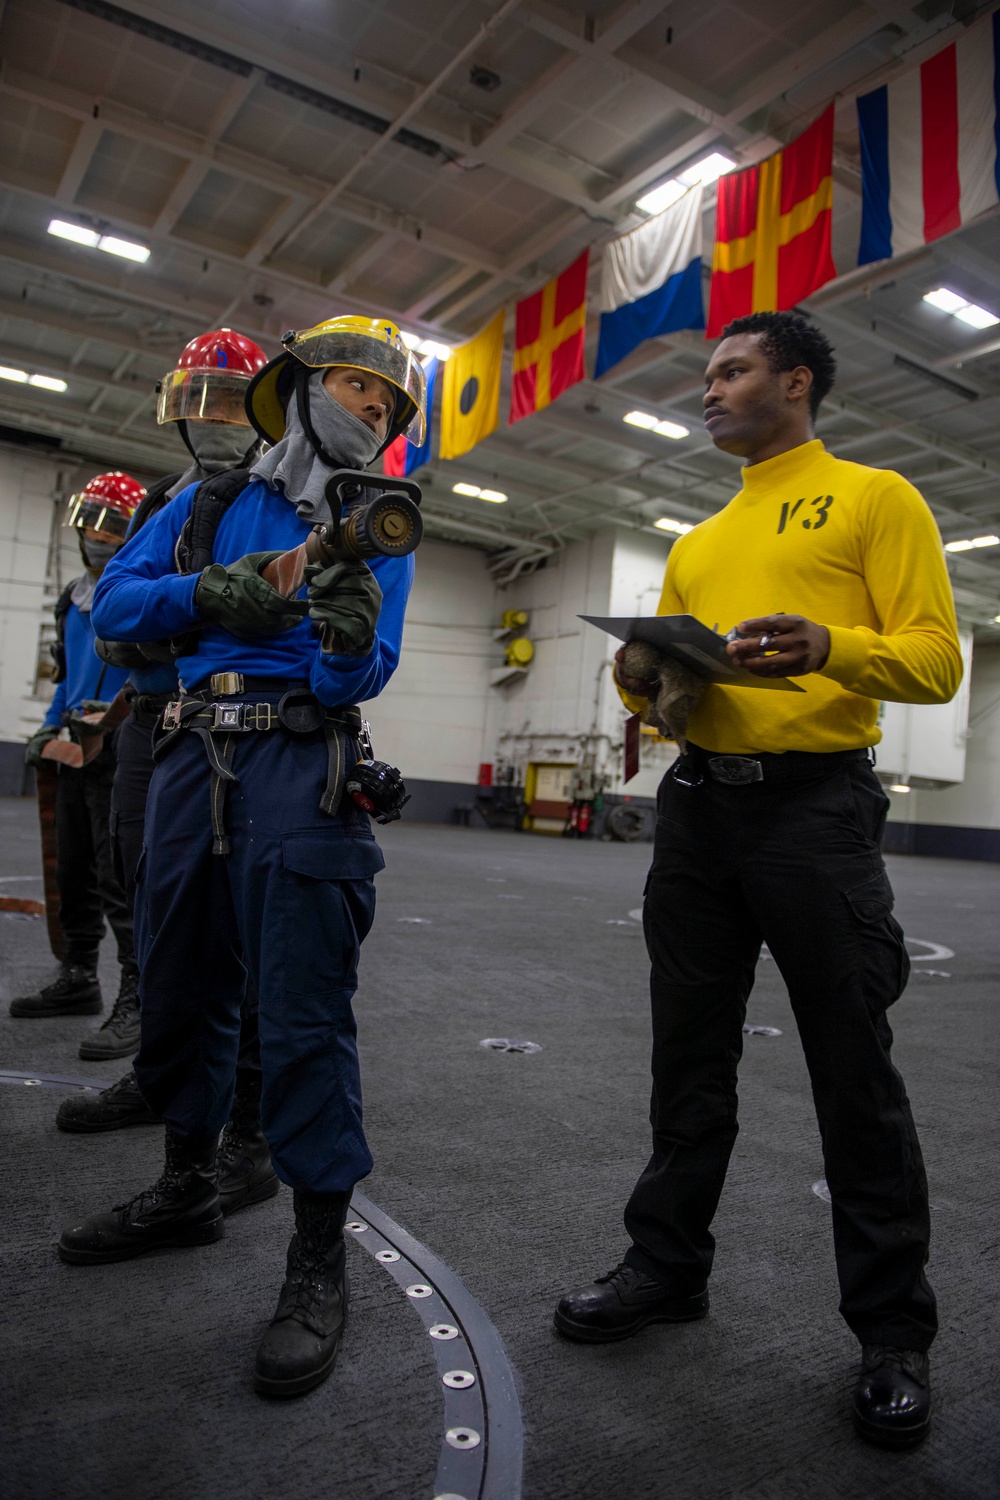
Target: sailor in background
(84, 765)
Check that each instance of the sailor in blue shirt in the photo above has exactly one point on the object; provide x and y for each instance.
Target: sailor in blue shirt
(253, 855)
(89, 890)
(204, 400)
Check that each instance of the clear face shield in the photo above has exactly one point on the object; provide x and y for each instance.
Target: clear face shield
(86, 514)
(202, 396)
(393, 363)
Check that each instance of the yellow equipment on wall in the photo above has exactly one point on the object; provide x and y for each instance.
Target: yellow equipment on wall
(520, 652)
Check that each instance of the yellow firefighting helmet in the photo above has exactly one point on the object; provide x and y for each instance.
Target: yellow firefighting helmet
(372, 344)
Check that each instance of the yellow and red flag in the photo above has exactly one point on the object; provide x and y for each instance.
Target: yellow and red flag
(548, 340)
(772, 229)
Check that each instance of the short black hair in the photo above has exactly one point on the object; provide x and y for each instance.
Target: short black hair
(788, 339)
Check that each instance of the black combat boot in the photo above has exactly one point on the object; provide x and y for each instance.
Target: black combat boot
(892, 1399)
(181, 1208)
(245, 1172)
(74, 992)
(111, 1109)
(119, 1036)
(621, 1303)
(299, 1348)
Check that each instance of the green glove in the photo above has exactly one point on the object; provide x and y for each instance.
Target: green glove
(345, 601)
(239, 600)
(34, 747)
(121, 654)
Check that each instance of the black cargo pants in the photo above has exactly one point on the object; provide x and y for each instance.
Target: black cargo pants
(89, 889)
(794, 861)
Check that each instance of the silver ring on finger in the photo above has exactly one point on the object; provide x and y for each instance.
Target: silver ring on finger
(764, 642)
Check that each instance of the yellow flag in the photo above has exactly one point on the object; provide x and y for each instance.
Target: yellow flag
(470, 398)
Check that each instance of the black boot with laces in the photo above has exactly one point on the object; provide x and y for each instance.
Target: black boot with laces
(300, 1347)
(181, 1208)
(245, 1172)
(113, 1108)
(74, 992)
(119, 1036)
(892, 1399)
(621, 1303)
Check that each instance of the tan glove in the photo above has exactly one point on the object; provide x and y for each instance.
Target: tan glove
(678, 693)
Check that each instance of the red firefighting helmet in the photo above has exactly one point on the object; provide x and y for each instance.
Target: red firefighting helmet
(106, 504)
(211, 379)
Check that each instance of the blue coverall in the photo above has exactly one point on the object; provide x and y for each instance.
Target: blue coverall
(293, 899)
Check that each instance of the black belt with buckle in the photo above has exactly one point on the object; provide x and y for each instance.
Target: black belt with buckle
(774, 769)
(298, 712)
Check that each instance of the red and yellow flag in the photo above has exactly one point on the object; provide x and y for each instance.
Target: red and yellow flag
(772, 229)
(548, 341)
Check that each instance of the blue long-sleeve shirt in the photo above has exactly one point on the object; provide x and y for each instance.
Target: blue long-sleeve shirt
(141, 597)
(85, 672)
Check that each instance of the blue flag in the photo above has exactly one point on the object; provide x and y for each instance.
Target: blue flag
(651, 281)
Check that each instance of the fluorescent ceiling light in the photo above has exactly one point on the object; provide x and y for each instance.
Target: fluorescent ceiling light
(966, 544)
(961, 308)
(81, 235)
(649, 423)
(440, 351)
(495, 497)
(411, 340)
(21, 376)
(976, 317)
(709, 169)
(662, 196)
(679, 528)
(899, 786)
(948, 302)
(996, 619)
(47, 383)
(127, 249)
(75, 232)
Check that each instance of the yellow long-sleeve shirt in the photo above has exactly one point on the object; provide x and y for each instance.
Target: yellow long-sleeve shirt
(851, 548)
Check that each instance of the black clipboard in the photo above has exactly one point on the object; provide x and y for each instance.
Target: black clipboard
(691, 643)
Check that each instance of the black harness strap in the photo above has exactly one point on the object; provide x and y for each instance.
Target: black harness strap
(218, 724)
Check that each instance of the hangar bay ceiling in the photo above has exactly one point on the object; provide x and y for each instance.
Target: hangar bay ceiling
(435, 160)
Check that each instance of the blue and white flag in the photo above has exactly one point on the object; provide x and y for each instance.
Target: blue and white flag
(651, 281)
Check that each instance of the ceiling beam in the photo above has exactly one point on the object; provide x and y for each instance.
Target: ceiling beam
(187, 145)
(88, 138)
(411, 110)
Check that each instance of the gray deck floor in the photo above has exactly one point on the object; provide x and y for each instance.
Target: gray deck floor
(132, 1382)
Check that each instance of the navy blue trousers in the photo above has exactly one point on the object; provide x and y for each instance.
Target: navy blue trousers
(293, 901)
(134, 766)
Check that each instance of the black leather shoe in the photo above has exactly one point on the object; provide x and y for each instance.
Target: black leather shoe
(112, 1109)
(892, 1399)
(300, 1347)
(74, 992)
(246, 1175)
(181, 1208)
(119, 1036)
(620, 1304)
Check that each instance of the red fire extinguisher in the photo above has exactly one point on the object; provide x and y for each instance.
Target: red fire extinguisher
(583, 823)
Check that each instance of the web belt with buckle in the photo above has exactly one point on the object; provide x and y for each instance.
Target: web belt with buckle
(735, 770)
(298, 712)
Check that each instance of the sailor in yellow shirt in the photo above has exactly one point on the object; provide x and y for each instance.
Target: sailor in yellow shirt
(768, 830)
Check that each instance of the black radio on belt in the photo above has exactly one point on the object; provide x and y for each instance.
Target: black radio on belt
(378, 789)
